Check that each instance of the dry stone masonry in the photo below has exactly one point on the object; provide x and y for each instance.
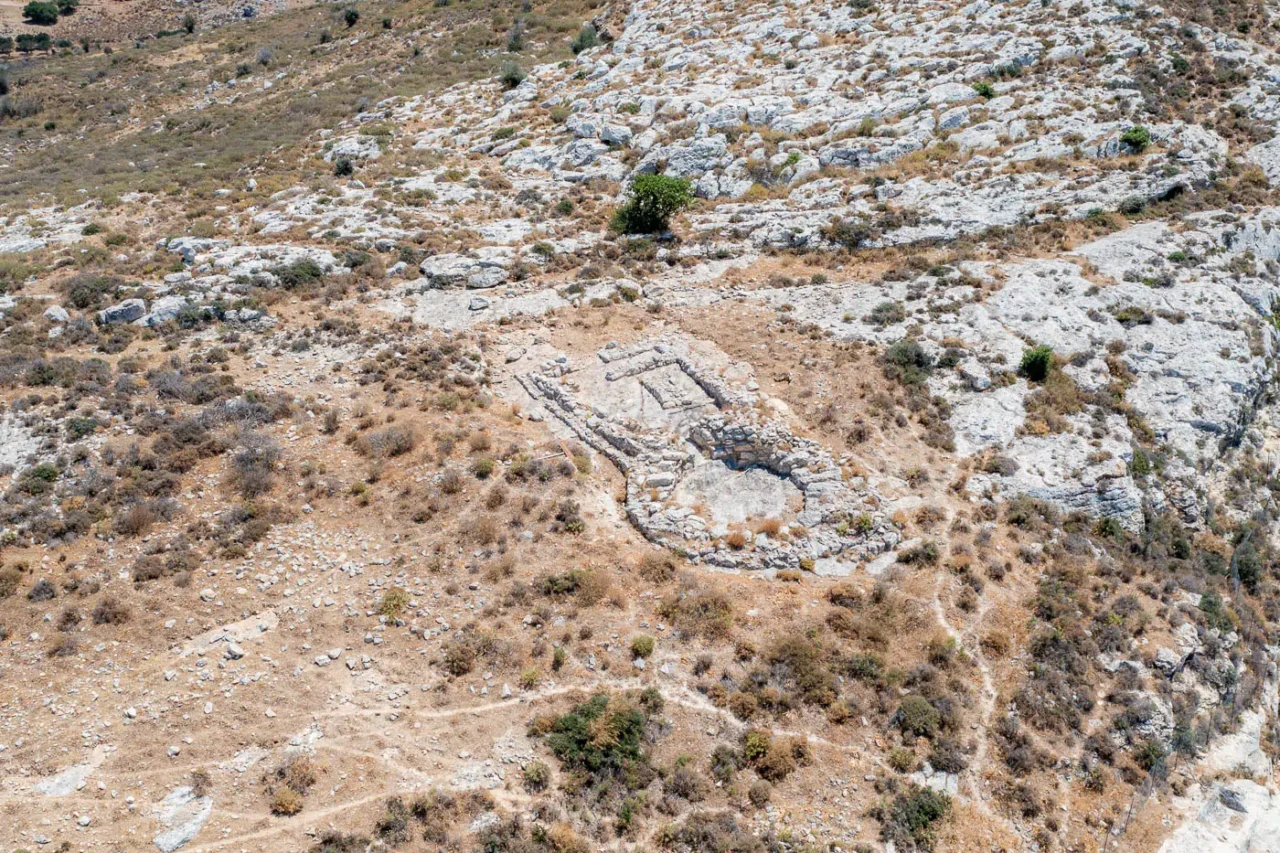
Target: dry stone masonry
(837, 525)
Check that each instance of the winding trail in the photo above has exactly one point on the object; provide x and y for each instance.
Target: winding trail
(266, 826)
(986, 701)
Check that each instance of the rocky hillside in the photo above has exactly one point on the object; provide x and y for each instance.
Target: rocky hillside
(485, 425)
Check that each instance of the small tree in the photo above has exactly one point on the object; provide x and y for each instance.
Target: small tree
(67, 7)
(654, 200)
(984, 90)
(1137, 138)
(587, 38)
(41, 13)
(28, 42)
(343, 167)
(512, 74)
(188, 23)
(1036, 363)
(351, 17)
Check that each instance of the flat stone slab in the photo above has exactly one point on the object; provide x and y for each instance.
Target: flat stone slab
(183, 815)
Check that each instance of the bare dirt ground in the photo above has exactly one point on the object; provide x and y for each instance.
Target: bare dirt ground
(345, 553)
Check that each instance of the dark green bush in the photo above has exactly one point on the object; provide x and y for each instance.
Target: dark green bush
(1149, 754)
(78, 428)
(849, 233)
(887, 313)
(1036, 363)
(654, 200)
(917, 716)
(601, 736)
(907, 362)
(587, 38)
(41, 13)
(924, 554)
(28, 42)
(512, 74)
(298, 274)
(864, 667)
(911, 820)
(1137, 138)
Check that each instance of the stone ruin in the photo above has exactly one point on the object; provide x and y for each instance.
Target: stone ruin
(704, 464)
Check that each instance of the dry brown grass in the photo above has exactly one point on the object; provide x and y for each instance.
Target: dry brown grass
(768, 526)
(656, 566)
(109, 158)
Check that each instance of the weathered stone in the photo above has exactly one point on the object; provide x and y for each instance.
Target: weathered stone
(124, 312)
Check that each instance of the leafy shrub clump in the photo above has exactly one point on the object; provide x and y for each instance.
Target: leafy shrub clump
(394, 601)
(1137, 138)
(285, 801)
(656, 566)
(254, 463)
(468, 646)
(87, 291)
(1036, 363)
(773, 759)
(10, 578)
(911, 820)
(586, 39)
(298, 274)
(887, 313)
(602, 737)
(1058, 692)
(849, 233)
(799, 664)
(907, 362)
(289, 784)
(512, 74)
(654, 200)
(536, 776)
(340, 842)
(1149, 754)
(642, 646)
(924, 554)
(918, 716)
